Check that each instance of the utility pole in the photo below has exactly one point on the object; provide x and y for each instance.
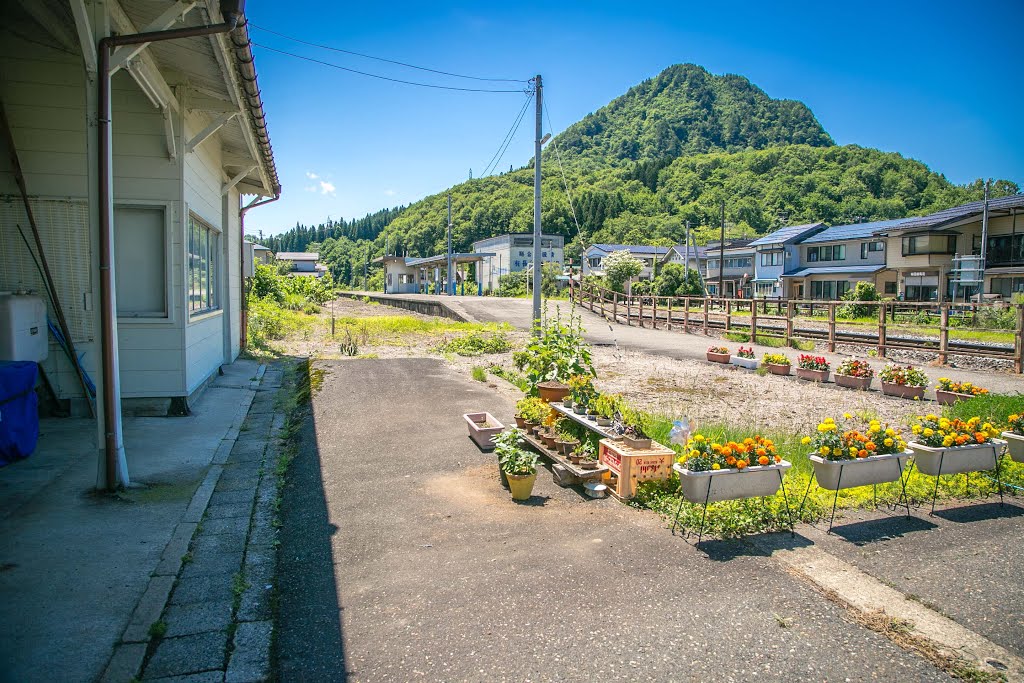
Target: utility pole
(366, 265)
(721, 256)
(686, 257)
(984, 245)
(451, 285)
(538, 142)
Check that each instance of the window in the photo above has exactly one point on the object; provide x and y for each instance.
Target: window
(835, 252)
(1004, 250)
(929, 244)
(1007, 286)
(140, 259)
(868, 247)
(203, 258)
(771, 258)
(829, 289)
(595, 261)
(890, 287)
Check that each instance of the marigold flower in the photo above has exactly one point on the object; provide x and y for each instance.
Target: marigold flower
(716, 466)
(806, 440)
(741, 464)
(825, 450)
(888, 442)
(763, 460)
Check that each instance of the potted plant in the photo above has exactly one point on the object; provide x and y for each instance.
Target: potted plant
(520, 469)
(854, 374)
(483, 427)
(556, 351)
(1015, 437)
(585, 456)
(949, 392)
(565, 441)
(744, 358)
(718, 354)
(547, 437)
(844, 458)
(905, 382)
(710, 471)
(533, 411)
(606, 406)
(505, 443)
(951, 446)
(777, 363)
(635, 437)
(812, 368)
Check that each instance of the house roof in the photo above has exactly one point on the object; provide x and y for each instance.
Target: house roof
(441, 259)
(729, 244)
(298, 256)
(788, 234)
(939, 219)
(834, 270)
(259, 247)
(855, 231)
(696, 252)
(643, 249)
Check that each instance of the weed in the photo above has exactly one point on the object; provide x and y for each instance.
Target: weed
(801, 344)
(476, 344)
(187, 558)
(349, 347)
(510, 376)
(479, 373)
(157, 629)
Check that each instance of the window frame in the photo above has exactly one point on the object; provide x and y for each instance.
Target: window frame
(170, 304)
(909, 249)
(209, 241)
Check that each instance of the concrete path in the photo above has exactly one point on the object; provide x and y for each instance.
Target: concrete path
(403, 558)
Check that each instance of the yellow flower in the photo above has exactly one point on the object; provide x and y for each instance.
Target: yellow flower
(1013, 418)
(874, 429)
(825, 450)
(890, 432)
(928, 431)
(888, 442)
(916, 429)
(698, 438)
(948, 441)
(716, 466)
(853, 451)
(944, 423)
(847, 416)
(822, 428)
(806, 440)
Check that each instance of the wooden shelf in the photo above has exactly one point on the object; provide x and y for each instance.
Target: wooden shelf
(603, 432)
(577, 471)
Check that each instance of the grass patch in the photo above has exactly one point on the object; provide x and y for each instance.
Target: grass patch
(158, 629)
(476, 343)
(744, 337)
(479, 373)
(511, 376)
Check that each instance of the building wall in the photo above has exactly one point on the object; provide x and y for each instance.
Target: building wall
(507, 258)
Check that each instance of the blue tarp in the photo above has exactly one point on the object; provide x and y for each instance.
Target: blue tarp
(19, 414)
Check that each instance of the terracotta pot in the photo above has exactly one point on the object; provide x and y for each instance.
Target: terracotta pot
(520, 422)
(718, 357)
(778, 368)
(553, 392)
(948, 398)
(638, 444)
(548, 440)
(850, 382)
(812, 375)
(902, 390)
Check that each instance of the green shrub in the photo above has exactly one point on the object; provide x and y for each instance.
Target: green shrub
(479, 373)
(476, 344)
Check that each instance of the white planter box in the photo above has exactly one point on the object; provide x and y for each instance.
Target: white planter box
(483, 436)
(748, 363)
(1015, 444)
(731, 484)
(874, 469)
(956, 459)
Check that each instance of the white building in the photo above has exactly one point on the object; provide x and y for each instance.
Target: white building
(305, 263)
(512, 253)
(593, 258)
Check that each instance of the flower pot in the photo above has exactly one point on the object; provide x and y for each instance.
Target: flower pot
(748, 363)
(552, 392)
(851, 382)
(777, 368)
(902, 390)
(548, 440)
(483, 435)
(567, 402)
(592, 417)
(974, 457)
(588, 464)
(521, 485)
(569, 446)
(1015, 444)
(731, 484)
(578, 409)
(520, 422)
(948, 398)
(638, 444)
(502, 477)
(604, 422)
(718, 357)
(812, 375)
(874, 469)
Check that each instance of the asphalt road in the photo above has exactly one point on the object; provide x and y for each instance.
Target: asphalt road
(403, 558)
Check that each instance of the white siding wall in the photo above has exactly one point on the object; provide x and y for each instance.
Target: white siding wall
(233, 283)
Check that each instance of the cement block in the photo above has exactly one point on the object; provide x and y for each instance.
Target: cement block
(148, 609)
(241, 495)
(220, 511)
(232, 526)
(216, 676)
(170, 560)
(209, 544)
(124, 665)
(187, 655)
(564, 477)
(203, 617)
(209, 588)
(250, 660)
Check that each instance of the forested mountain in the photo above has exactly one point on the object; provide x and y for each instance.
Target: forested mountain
(668, 151)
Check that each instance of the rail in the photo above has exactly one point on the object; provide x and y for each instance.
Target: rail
(944, 328)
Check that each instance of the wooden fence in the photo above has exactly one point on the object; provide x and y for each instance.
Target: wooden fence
(816, 321)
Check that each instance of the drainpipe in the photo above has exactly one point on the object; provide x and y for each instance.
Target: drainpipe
(114, 449)
(243, 310)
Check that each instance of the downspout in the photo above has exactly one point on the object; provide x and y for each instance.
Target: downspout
(243, 310)
(114, 452)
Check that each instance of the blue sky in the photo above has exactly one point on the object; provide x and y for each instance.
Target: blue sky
(939, 82)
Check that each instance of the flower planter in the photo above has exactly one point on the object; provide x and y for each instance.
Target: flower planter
(748, 363)
(604, 422)
(778, 368)
(567, 402)
(548, 440)
(1015, 444)
(579, 410)
(851, 382)
(521, 485)
(874, 469)
(483, 435)
(948, 398)
(812, 375)
(553, 392)
(569, 446)
(902, 390)
(521, 422)
(718, 357)
(731, 484)
(638, 444)
(956, 459)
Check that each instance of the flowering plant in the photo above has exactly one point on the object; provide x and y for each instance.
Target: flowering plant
(808, 362)
(850, 444)
(905, 376)
(718, 349)
(775, 359)
(855, 368)
(581, 390)
(941, 432)
(745, 353)
(702, 454)
(1015, 424)
(946, 384)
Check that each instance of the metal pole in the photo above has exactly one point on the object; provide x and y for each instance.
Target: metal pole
(984, 244)
(721, 256)
(450, 283)
(536, 199)
(686, 258)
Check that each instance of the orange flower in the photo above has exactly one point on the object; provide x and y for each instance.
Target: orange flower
(870, 445)
(862, 453)
(740, 448)
(740, 464)
(979, 437)
(730, 461)
(727, 451)
(763, 460)
(761, 453)
(778, 459)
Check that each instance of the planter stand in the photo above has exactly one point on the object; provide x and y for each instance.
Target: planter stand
(843, 465)
(927, 454)
(707, 498)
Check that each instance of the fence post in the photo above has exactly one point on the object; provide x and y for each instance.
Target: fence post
(654, 314)
(790, 311)
(615, 307)
(603, 314)
(670, 314)
(1018, 356)
(753, 322)
(881, 330)
(728, 314)
(705, 315)
(832, 326)
(943, 332)
(686, 315)
(640, 317)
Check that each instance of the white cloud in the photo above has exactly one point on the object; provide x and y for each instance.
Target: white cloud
(311, 175)
(390, 193)
(326, 188)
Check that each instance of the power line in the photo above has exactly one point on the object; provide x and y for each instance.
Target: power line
(507, 140)
(383, 78)
(565, 182)
(382, 59)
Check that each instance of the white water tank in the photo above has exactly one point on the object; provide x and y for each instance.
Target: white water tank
(23, 333)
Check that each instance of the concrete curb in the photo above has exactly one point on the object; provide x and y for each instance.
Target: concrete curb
(129, 654)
